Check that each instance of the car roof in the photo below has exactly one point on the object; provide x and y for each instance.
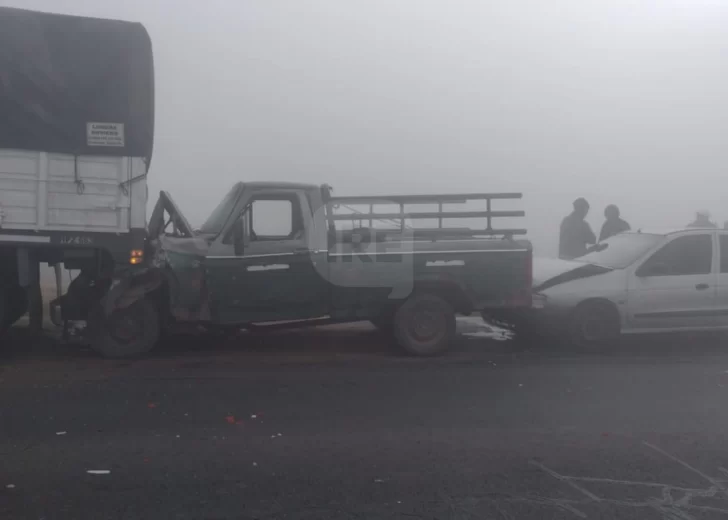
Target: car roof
(671, 231)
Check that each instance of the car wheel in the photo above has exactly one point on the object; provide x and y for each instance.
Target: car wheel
(594, 326)
(127, 332)
(425, 325)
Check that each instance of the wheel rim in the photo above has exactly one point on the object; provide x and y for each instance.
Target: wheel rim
(124, 326)
(426, 325)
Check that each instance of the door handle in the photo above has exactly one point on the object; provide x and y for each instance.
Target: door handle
(702, 286)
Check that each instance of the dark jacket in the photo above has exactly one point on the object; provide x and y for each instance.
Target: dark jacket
(574, 237)
(613, 227)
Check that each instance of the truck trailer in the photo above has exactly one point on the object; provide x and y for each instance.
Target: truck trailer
(76, 140)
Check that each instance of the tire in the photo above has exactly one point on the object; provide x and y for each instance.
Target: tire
(127, 332)
(13, 305)
(4, 326)
(17, 305)
(594, 326)
(425, 325)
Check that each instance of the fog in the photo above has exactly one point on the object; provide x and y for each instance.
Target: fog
(619, 102)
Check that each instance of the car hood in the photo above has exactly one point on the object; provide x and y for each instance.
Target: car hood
(548, 272)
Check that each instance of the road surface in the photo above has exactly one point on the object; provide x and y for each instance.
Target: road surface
(330, 424)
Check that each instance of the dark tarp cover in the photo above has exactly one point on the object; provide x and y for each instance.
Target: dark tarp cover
(68, 84)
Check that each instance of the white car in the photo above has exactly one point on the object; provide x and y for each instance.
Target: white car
(636, 282)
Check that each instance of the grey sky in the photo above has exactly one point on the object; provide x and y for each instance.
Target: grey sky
(620, 102)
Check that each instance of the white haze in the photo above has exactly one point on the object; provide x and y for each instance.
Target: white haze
(619, 102)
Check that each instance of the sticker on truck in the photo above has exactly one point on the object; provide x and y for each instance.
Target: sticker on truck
(105, 134)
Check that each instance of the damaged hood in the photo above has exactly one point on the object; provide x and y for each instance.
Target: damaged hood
(158, 222)
(548, 272)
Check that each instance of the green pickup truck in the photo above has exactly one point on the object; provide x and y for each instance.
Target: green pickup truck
(282, 253)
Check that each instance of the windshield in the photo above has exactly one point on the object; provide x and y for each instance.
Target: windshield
(214, 224)
(621, 250)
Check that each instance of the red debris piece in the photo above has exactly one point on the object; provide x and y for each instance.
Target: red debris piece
(230, 419)
(151, 405)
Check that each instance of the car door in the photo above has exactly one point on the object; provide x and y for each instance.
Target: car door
(722, 280)
(269, 272)
(675, 287)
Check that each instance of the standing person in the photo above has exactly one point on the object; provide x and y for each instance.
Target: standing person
(613, 224)
(702, 220)
(575, 234)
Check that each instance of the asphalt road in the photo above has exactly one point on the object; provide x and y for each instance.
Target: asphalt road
(330, 424)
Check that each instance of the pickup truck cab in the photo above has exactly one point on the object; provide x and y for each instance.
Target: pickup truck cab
(280, 252)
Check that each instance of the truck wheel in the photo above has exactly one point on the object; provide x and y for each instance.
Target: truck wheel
(3, 311)
(13, 305)
(593, 326)
(127, 332)
(425, 325)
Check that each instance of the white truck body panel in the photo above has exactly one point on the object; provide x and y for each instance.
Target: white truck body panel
(42, 191)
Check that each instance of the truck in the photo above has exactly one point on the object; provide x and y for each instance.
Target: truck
(76, 140)
(288, 254)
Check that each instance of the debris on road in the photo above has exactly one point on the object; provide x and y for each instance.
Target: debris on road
(10, 486)
(151, 405)
(61, 433)
(255, 464)
(98, 471)
(230, 419)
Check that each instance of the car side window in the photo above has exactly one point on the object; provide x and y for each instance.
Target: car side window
(724, 253)
(688, 255)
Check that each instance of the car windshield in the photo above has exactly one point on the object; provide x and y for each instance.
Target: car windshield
(621, 250)
(214, 224)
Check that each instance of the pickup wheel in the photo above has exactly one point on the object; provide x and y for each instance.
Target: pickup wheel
(593, 326)
(127, 332)
(425, 325)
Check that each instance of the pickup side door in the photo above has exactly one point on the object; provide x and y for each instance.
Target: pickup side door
(263, 268)
(675, 287)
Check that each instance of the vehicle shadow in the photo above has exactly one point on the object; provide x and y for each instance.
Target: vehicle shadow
(352, 341)
(675, 346)
(356, 342)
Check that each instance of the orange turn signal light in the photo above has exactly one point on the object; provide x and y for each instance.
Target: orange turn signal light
(136, 256)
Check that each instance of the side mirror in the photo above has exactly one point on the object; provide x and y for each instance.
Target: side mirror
(656, 269)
